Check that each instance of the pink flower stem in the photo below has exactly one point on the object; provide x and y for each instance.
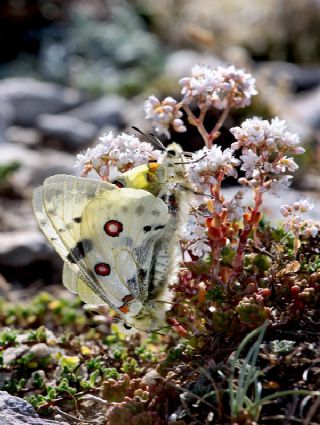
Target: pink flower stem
(198, 122)
(214, 134)
(216, 245)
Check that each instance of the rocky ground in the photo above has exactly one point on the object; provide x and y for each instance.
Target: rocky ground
(42, 127)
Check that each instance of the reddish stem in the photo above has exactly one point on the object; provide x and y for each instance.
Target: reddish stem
(248, 226)
(216, 245)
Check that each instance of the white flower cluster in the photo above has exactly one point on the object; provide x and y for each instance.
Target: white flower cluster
(208, 164)
(265, 146)
(219, 88)
(294, 220)
(164, 114)
(121, 152)
(194, 236)
(266, 137)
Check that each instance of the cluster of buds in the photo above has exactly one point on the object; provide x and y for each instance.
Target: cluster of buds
(187, 284)
(164, 115)
(120, 153)
(252, 311)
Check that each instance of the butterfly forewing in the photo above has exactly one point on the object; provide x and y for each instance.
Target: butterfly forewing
(58, 207)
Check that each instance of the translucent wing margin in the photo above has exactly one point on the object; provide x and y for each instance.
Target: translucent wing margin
(58, 206)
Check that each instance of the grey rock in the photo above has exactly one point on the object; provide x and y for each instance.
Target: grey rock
(29, 98)
(6, 119)
(21, 248)
(16, 411)
(298, 77)
(105, 111)
(50, 337)
(151, 378)
(309, 182)
(16, 214)
(66, 132)
(305, 108)
(41, 350)
(35, 375)
(35, 166)
(29, 137)
(180, 62)
(13, 353)
(5, 287)
(136, 116)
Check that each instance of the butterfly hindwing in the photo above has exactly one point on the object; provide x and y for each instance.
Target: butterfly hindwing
(76, 285)
(124, 226)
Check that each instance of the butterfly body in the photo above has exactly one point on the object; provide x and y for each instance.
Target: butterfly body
(157, 177)
(118, 245)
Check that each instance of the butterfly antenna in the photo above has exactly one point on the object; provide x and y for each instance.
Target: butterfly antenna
(151, 137)
(158, 141)
(190, 162)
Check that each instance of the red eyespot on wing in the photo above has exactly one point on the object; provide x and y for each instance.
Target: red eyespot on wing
(102, 269)
(128, 298)
(113, 228)
(125, 307)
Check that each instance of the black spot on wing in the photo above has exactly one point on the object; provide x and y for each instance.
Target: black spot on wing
(79, 251)
(161, 226)
(77, 219)
(147, 229)
(127, 326)
(140, 210)
(127, 241)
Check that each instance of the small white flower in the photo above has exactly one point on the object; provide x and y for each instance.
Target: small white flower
(199, 248)
(237, 83)
(285, 210)
(208, 163)
(194, 235)
(202, 83)
(249, 162)
(277, 186)
(304, 205)
(164, 114)
(234, 207)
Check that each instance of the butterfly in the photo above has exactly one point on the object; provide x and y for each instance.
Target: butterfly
(118, 244)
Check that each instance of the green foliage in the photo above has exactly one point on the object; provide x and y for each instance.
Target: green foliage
(6, 170)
